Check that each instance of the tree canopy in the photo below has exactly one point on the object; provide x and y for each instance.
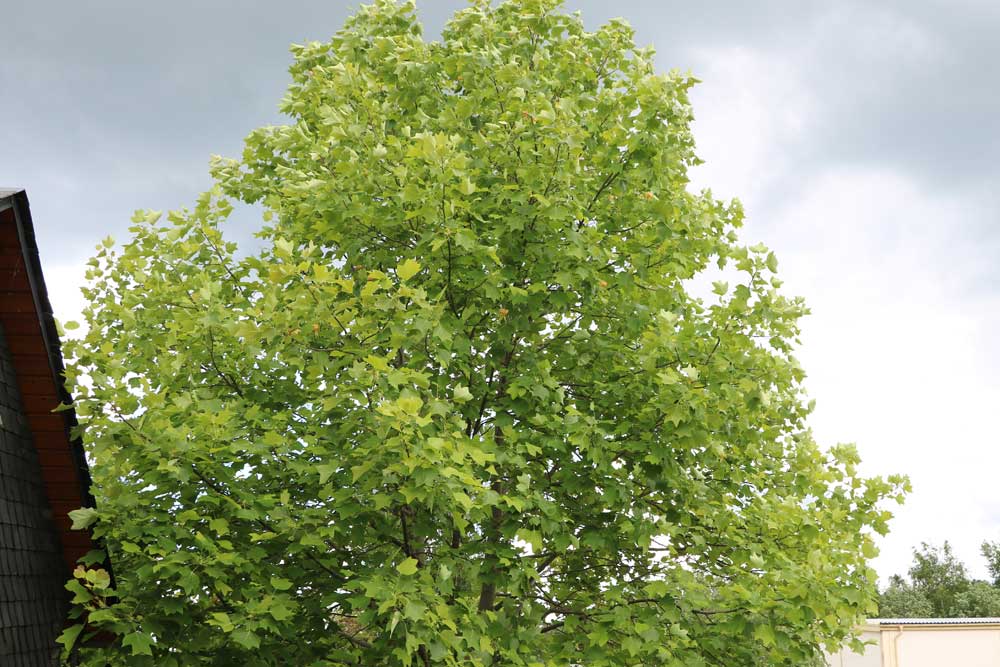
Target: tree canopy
(472, 402)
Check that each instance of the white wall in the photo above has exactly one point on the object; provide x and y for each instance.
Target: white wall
(934, 647)
(872, 656)
(925, 646)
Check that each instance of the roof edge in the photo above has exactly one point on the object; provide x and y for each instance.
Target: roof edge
(50, 335)
(883, 622)
(7, 197)
(17, 200)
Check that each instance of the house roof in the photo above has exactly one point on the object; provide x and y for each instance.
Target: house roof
(30, 330)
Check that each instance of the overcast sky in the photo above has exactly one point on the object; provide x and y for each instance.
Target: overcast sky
(861, 137)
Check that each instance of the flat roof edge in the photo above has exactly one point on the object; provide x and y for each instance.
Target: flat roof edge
(991, 620)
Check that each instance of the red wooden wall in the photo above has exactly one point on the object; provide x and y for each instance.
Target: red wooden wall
(36, 380)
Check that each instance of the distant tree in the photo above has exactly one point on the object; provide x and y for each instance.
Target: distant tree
(466, 406)
(903, 600)
(939, 586)
(991, 552)
(978, 600)
(939, 576)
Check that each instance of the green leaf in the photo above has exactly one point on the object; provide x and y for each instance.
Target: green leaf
(407, 269)
(283, 247)
(633, 645)
(220, 526)
(140, 643)
(83, 518)
(246, 638)
(326, 470)
(407, 567)
(765, 634)
(223, 621)
(281, 584)
(461, 394)
(98, 578)
(532, 537)
(280, 611)
(80, 593)
(69, 636)
(414, 611)
(466, 186)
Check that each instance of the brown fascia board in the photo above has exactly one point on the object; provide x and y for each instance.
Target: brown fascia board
(18, 201)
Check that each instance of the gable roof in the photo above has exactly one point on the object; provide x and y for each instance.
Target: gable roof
(33, 342)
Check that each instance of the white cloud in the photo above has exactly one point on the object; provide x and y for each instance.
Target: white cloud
(894, 347)
(750, 108)
(63, 281)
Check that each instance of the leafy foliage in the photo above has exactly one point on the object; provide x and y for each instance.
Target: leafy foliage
(902, 599)
(939, 586)
(465, 407)
(939, 575)
(991, 552)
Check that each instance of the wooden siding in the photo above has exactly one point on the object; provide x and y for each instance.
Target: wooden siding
(32, 572)
(43, 472)
(22, 313)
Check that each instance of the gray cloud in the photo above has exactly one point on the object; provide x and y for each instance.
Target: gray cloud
(118, 104)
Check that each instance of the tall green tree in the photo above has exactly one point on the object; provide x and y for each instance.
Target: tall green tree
(940, 576)
(464, 407)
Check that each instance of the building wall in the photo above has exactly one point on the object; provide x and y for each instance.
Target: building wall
(32, 571)
(926, 646)
(872, 656)
(972, 646)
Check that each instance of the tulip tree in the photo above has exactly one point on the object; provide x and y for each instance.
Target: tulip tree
(471, 400)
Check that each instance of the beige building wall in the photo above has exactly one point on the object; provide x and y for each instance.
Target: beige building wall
(929, 644)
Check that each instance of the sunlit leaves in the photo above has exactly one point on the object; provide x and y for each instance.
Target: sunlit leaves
(407, 269)
(407, 567)
(461, 394)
